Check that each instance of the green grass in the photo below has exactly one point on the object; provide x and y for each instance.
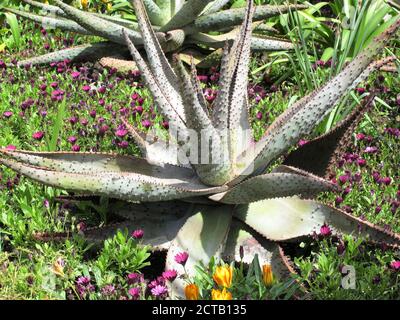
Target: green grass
(27, 266)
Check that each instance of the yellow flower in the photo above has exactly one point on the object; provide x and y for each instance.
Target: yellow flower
(221, 295)
(192, 292)
(84, 4)
(268, 276)
(58, 268)
(223, 276)
(109, 6)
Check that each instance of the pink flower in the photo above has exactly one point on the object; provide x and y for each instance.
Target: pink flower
(138, 234)
(361, 162)
(181, 258)
(135, 277)
(325, 230)
(395, 265)
(121, 133)
(86, 88)
(75, 74)
(360, 136)
(38, 135)
(343, 179)
(72, 139)
(134, 293)
(386, 180)
(159, 290)
(7, 114)
(170, 275)
(146, 123)
(11, 147)
(302, 142)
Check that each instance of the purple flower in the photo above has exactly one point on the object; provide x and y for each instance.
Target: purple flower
(259, 115)
(123, 144)
(378, 209)
(86, 88)
(73, 120)
(338, 200)
(139, 109)
(121, 133)
(108, 290)
(2, 64)
(181, 258)
(75, 74)
(72, 139)
(54, 85)
(360, 136)
(134, 293)
(146, 123)
(343, 179)
(159, 290)
(360, 90)
(361, 162)
(341, 248)
(138, 234)
(38, 135)
(165, 124)
(7, 114)
(371, 150)
(93, 113)
(325, 230)
(76, 148)
(135, 277)
(386, 180)
(170, 275)
(83, 281)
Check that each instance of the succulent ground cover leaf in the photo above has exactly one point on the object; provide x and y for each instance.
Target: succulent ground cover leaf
(178, 24)
(223, 208)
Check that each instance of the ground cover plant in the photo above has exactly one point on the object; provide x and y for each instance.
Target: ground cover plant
(42, 117)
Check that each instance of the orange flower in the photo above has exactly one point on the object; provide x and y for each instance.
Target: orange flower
(192, 292)
(223, 276)
(268, 276)
(58, 267)
(221, 295)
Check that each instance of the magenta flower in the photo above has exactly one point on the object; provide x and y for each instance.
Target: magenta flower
(343, 179)
(54, 85)
(2, 64)
(395, 265)
(108, 290)
(7, 114)
(259, 115)
(361, 162)
(135, 277)
(11, 147)
(139, 109)
(371, 150)
(123, 144)
(76, 148)
(302, 142)
(159, 290)
(146, 123)
(170, 275)
(360, 136)
(325, 230)
(83, 281)
(386, 180)
(86, 88)
(93, 113)
(138, 234)
(181, 258)
(72, 139)
(121, 133)
(38, 135)
(134, 293)
(75, 74)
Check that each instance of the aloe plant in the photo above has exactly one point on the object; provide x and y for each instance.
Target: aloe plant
(181, 26)
(184, 202)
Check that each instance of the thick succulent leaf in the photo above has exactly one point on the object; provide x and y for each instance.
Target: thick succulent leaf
(203, 236)
(216, 6)
(274, 185)
(167, 109)
(49, 22)
(234, 17)
(159, 65)
(319, 154)
(120, 64)
(160, 222)
(121, 177)
(288, 218)
(241, 236)
(302, 117)
(213, 170)
(197, 87)
(187, 14)
(154, 12)
(98, 26)
(87, 52)
(258, 42)
(52, 10)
